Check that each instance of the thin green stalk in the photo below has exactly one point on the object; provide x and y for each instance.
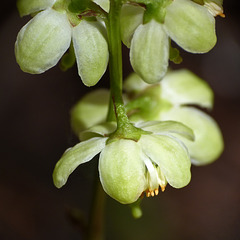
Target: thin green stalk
(96, 221)
(115, 63)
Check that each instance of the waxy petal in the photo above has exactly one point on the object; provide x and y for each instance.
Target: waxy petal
(191, 26)
(208, 144)
(42, 41)
(91, 110)
(122, 170)
(91, 51)
(131, 18)
(170, 155)
(104, 4)
(149, 52)
(134, 84)
(73, 157)
(99, 130)
(184, 87)
(168, 127)
(26, 7)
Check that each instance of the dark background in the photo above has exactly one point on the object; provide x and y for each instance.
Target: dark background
(35, 131)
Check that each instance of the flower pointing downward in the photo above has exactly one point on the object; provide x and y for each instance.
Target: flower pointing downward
(128, 168)
(44, 39)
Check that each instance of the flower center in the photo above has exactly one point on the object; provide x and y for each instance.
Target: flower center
(154, 178)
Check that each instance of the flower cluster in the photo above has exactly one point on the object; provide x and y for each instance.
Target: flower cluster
(177, 97)
(44, 39)
(189, 24)
(146, 27)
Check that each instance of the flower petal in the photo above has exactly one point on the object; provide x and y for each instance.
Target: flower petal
(91, 110)
(184, 87)
(26, 7)
(170, 155)
(208, 144)
(91, 50)
(98, 130)
(131, 18)
(73, 157)
(121, 170)
(104, 4)
(134, 84)
(168, 127)
(149, 52)
(191, 26)
(42, 41)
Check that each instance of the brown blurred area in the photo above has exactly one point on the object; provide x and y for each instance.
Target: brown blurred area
(35, 131)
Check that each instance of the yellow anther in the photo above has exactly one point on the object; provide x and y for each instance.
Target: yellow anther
(156, 192)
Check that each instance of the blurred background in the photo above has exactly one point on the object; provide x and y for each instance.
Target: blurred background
(35, 131)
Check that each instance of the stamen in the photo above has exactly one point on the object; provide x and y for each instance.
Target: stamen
(163, 188)
(156, 192)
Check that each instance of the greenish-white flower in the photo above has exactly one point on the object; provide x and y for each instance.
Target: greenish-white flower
(44, 39)
(128, 168)
(187, 23)
(174, 98)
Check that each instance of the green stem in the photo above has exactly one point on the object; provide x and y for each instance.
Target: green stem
(115, 64)
(96, 221)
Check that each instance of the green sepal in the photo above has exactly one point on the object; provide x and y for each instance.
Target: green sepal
(174, 55)
(78, 5)
(68, 59)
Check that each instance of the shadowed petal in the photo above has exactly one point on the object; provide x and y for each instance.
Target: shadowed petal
(208, 144)
(184, 87)
(26, 7)
(170, 155)
(92, 109)
(131, 18)
(73, 157)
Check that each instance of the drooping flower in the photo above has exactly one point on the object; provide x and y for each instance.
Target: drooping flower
(127, 168)
(175, 98)
(44, 39)
(187, 23)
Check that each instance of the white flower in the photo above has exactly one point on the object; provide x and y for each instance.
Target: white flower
(128, 168)
(175, 98)
(187, 23)
(43, 40)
